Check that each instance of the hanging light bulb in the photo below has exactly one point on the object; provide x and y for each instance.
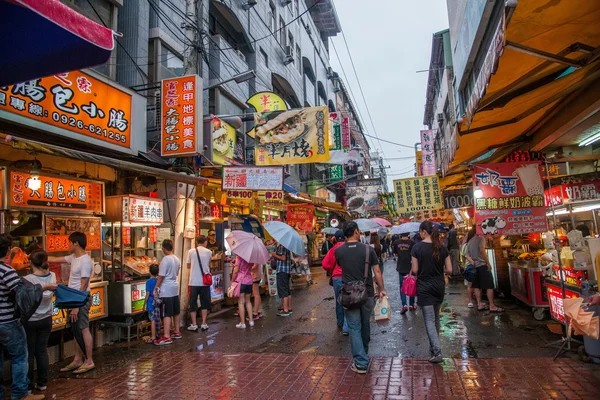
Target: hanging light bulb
(478, 193)
(34, 182)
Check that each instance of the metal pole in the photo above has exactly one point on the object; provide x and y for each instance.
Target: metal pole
(190, 55)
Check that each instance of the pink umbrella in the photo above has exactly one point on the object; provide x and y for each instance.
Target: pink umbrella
(248, 246)
(381, 221)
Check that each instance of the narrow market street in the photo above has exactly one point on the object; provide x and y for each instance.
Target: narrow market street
(306, 356)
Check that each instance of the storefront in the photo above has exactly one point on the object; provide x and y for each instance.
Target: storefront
(40, 211)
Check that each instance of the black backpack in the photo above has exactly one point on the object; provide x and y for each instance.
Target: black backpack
(28, 297)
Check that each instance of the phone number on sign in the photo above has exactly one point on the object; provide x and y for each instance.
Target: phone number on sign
(97, 129)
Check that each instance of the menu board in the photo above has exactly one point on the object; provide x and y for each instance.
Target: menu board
(58, 230)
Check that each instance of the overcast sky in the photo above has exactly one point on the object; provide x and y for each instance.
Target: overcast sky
(389, 40)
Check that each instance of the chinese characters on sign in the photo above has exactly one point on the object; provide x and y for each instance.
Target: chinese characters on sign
(513, 201)
(181, 116)
(336, 172)
(345, 131)
(418, 194)
(266, 102)
(240, 194)
(55, 193)
(58, 230)
(253, 178)
(74, 101)
(271, 196)
(555, 298)
(299, 136)
(428, 166)
(142, 210)
(301, 216)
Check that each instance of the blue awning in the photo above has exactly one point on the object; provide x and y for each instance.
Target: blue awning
(45, 37)
(290, 189)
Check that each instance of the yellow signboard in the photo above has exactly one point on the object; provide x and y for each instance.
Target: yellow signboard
(418, 194)
(271, 196)
(299, 136)
(223, 142)
(419, 154)
(265, 102)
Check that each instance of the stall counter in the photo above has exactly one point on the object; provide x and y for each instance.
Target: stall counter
(98, 309)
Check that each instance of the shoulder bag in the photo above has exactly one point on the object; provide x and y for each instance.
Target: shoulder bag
(206, 278)
(354, 294)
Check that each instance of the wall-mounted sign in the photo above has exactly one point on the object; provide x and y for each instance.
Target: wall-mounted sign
(301, 216)
(58, 230)
(555, 170)
(458, 198)
(58, 193)
(142, 210)
(77, 105)
(513, 200)
(271, 196)
(418, 194)
(428, 166)
(181, 116)
(224, 142)
(240, 194)
(253, 178)
(363, 197)
(345, 131)
(266, 102)
(299, 136)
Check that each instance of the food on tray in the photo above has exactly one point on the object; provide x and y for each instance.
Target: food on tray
(220, 137)
(355, 203)
(284, 128)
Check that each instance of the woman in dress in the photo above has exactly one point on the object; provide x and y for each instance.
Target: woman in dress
(430, 259)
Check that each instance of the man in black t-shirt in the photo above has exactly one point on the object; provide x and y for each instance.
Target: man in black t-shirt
(454, 249)
(402, 248)
(351, 258)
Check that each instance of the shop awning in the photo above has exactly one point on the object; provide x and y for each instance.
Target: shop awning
(45, 37)
(551, 52)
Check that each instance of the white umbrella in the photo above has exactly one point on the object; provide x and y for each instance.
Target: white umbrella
(407, 227)
(365, 225)
(286, 236)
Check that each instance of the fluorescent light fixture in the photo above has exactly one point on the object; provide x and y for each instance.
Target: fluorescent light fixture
(478, 193)
(560, 211)
(590, 139)
(587, 208)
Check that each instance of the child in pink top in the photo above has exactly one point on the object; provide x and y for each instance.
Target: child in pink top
(242, 274)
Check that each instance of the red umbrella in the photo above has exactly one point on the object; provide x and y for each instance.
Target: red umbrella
(381, 221)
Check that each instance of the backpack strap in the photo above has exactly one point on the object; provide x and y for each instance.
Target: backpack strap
(367, 254)
(199, 261)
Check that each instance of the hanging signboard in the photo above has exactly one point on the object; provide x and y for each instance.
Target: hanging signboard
(240, 194)
(513, 200)
(181, 116)
(336, 172)
(428, 165)
(253, 178)
(224, 142)
(265, 102)
(458, 198)
(299, 136)
(362, 196)
(77, 105)
(58, 193)
(418, 194)
(301, 216)
(345, 131)
(58, 229)
(271, 196)
(142, 210)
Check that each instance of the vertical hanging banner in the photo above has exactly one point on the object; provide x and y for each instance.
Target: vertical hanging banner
(513, 201)
(345, 132)
(427, 153)
(336, 172)
(181, 116)
(299, 136)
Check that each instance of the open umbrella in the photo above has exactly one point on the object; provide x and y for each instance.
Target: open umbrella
(365, 225)
(329, 231)
(381, 231)
(286, 236)
(382, 221)
(248, 246)
(406, 227)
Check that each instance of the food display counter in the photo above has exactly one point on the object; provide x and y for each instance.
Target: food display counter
(98, 309)
(527, 284)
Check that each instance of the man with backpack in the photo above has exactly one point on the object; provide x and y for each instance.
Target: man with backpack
(359, 263)
(198, 262)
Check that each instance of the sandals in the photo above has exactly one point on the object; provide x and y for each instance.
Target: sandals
(497, 310)
(470, 305)
(70, 368)
(485, 308)
(82, 370)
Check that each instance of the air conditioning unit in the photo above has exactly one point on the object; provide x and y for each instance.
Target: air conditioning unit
(289, 55)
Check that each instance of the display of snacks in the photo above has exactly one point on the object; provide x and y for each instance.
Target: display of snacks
(532, 255)
(140, 264)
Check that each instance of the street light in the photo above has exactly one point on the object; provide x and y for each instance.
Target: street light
(239, 78)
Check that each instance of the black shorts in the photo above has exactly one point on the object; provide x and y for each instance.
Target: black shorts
(83, 315)
(283, 284)
(204, 293)
(245, 289)
(170, 306)
(484, 279)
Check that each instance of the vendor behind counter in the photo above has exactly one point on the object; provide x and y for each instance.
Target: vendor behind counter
(213, 244)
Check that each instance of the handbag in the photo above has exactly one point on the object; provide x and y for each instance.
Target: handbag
(470, 273)
(206, 278)
(67, 298)
(234, 290)
(409, 286)
(354, 294)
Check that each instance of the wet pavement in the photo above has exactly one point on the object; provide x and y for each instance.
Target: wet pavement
(306, 356)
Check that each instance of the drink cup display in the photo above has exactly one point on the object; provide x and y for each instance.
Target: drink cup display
(530, 179)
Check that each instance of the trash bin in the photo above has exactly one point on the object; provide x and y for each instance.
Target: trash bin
(592, 346)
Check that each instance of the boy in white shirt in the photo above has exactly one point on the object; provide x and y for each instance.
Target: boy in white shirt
(167, 289)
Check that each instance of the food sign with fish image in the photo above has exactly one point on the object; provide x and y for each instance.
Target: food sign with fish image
(299, 136)
(363, 196)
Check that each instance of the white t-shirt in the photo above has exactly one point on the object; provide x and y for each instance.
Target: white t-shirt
(44, 310)
(192, 258)
(81, 267)
(169, 269)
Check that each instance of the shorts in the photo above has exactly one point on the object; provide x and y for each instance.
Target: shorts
(83, 316)
(204, 293)
(257, 282)
(283, 284)
(484, 279)
(170, 306)
(245, 289)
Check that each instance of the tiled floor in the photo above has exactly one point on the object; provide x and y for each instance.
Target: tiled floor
(201, 375)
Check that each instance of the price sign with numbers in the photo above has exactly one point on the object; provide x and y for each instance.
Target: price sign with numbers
(272, 196)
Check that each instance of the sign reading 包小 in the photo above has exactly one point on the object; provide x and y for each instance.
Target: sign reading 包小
(181, 116)
(74, 102)
(513, 201)
(253, 178)
(55, 193)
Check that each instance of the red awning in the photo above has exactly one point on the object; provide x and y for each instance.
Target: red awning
(45, 37)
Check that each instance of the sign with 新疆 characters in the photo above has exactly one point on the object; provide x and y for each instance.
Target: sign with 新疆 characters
(142, 210)
(418, 194)
(513, 201)
(252, 178)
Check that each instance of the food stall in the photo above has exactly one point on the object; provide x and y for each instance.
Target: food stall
(134, 223)
(43, 210)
